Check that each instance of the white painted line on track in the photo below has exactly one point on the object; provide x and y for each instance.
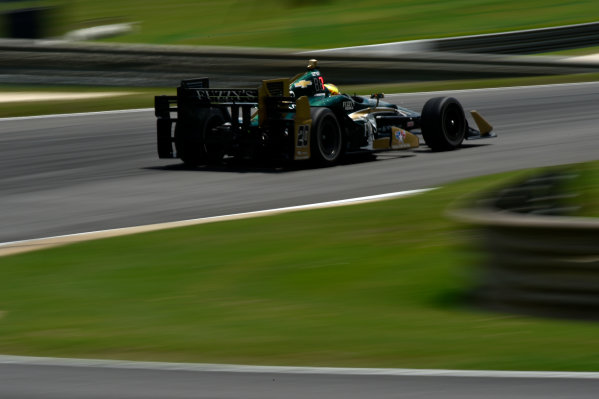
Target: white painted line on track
(14, 247)
(232, 368)
(118, 111)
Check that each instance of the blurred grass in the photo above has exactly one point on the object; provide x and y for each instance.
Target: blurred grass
(144, 97)
(576, 51)
(469, 84)
(374, 285)
(323, 24)
(585, 188)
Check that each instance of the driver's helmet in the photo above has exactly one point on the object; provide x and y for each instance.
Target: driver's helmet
(309, 84)
(332, 89)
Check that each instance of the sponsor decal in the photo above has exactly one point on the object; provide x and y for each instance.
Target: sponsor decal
(319, 83)
(410, 124)
(303, 84)
(240, 95)
(348, 105)
(302, 142)
(303, 135)
(400, 135)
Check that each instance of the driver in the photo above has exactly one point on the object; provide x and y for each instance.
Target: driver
(333, 90)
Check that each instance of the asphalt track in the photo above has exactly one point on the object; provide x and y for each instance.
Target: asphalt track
(72, 174)
(79, 173)
(66, 382)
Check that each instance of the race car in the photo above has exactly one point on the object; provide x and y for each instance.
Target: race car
(299, 119)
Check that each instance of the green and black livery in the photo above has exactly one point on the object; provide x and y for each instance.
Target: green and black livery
(299, 119)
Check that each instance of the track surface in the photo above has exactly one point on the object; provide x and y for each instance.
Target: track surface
(58, 382)
(91, 172)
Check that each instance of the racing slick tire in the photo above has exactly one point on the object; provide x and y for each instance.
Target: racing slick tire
(195, 142)
(326, 142)
(214, 146)
(443, 123)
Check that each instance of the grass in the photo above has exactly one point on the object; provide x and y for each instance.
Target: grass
(144, 97)
(379, 284)
(325, 24)
(585, 187)
(306, 24)
(470, 84)
(576, 51)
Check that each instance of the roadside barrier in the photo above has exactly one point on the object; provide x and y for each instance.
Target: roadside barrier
(60, 62)
(538, 260)
(529, 41)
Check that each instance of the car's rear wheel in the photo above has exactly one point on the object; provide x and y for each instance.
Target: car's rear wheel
(326, 142)
(197, 143)
(188, 144)
(214, 146)
(443, 123)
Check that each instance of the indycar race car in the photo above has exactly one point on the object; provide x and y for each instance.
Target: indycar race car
(301, 118)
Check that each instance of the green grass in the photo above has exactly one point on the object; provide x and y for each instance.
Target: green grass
(576, 51)
(379, 284)
(321, 24)
(469, 84)
(144, 97)
(585, 188)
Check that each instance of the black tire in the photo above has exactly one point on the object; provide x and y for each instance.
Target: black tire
(326, 141)
(214, 146)
(194, 139)
(443, 123)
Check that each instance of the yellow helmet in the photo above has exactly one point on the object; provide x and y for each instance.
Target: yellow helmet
(332, 89)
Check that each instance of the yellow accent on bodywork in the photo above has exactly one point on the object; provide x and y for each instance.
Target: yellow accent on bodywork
(263, 92)
(483, 126)
(301, 128)
(303, 84)
(381, 144)
(363, 112)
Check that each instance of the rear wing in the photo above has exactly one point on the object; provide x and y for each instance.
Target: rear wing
(271, 102)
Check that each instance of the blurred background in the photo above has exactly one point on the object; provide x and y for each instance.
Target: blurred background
(348, 287)
(285, 23)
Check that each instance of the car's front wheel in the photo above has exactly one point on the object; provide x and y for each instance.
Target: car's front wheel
(443, 123)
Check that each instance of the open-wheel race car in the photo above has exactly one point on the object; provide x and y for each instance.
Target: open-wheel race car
(302, 118)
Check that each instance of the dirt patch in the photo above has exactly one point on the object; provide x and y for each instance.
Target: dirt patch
(55, 96)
